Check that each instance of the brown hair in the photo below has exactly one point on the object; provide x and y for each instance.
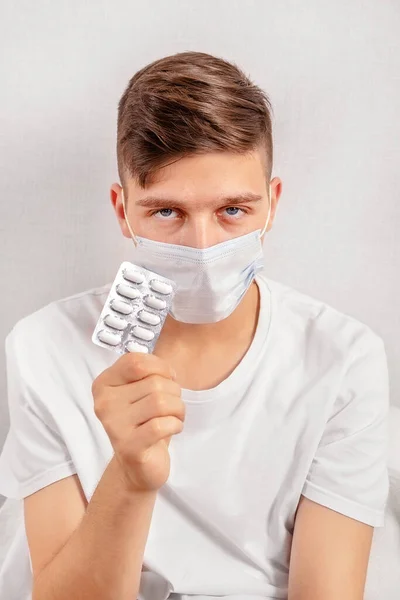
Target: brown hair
(186, 104)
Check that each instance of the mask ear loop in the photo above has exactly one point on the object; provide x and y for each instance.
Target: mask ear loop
(269, 213)
(134, 238)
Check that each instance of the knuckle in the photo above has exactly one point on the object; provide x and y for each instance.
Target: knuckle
(178, 390)
(159, 402)
(182, 407)
(157, 384)
(137, 363)
(98, 409)
(96, 386)
(101, 402)
(156, 426)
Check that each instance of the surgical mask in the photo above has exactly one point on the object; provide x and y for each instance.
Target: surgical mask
(211, 281)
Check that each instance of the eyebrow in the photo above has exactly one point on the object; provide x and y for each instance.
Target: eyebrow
(158, 202)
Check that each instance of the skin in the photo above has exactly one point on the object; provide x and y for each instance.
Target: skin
(330, 551)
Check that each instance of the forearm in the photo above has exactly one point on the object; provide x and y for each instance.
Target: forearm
(103, 558)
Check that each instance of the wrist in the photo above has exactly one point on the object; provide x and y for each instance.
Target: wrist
(123, 485)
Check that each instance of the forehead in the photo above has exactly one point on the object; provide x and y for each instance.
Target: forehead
(206, 178)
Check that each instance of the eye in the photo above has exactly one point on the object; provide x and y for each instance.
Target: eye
(234, 211)
(165, 213)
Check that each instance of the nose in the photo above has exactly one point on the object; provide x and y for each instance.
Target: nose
(201, 232)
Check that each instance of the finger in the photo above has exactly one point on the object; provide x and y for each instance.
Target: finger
(155, 406)
(155, 430)
(112, 400)
(134, 366)
(153, 384)
(126, 423)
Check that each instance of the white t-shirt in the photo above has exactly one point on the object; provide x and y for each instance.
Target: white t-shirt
(305, 412)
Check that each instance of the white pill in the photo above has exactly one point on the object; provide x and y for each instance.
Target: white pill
(109, 337)
(135, 347)
(115, 322)
(127, 291)
(148, 317)
(134, 276)
(121, 306)
(155, 302)
(142, 333)
(160, 286)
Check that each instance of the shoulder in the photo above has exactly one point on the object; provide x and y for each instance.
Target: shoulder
(56, 329)
(318, 327)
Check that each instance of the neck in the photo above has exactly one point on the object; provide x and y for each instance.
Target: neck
(236, 328)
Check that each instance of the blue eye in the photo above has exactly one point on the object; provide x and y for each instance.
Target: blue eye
(164, 213)
(232, 211)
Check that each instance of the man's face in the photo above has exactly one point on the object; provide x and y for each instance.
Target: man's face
(200, 201)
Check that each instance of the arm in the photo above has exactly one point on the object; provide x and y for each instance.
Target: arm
(77, 549)
(90, 550)
(346, 488)
(329, 556)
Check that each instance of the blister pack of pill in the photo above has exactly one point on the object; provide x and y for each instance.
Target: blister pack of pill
(135, 310)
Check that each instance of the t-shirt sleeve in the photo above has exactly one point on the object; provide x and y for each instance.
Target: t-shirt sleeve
(349, 472)
(34, 454)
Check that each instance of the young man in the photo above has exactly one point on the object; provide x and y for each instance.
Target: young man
(245, 458)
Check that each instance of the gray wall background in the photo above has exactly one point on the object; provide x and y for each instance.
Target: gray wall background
(332, 72)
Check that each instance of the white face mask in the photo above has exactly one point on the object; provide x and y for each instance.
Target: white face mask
(211, 281)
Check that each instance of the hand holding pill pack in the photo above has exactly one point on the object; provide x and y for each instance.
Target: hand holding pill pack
(135, 310)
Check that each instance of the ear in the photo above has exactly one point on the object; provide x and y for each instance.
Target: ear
(276, 190)
(116, 201)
